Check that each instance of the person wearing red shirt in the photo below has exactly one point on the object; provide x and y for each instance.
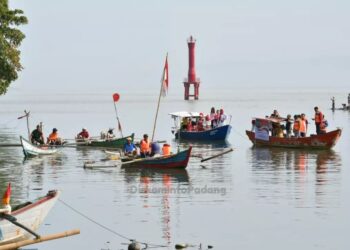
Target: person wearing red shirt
(84, 134)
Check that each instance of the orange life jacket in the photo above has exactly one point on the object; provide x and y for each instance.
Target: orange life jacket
(144, 146)
(296, 125)
(53, 136)
(302, 127)
(318, 117)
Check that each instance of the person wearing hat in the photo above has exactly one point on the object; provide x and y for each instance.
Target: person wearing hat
(84, 134)
(145, 146)
(53, 138)
(129, 147)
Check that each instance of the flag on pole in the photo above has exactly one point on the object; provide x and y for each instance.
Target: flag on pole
(165, 78)
(7, 195)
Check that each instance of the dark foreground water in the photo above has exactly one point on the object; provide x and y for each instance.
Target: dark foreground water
(253, 198)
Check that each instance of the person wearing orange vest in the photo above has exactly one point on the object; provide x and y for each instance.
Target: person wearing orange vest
(145, 149)
(318, 120)
(296, 126)
(303, 125)
(53, 138)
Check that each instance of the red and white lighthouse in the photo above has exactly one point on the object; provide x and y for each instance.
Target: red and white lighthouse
(191, 80)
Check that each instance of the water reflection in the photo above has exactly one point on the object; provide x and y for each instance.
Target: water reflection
(304, 174)
(160, 185)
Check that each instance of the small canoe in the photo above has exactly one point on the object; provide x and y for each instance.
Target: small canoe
(105, 143)
(321, 141)
(112, 155)
(33, 150)
(29, 214)
(173, 161)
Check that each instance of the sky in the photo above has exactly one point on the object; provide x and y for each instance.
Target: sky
(95, 46)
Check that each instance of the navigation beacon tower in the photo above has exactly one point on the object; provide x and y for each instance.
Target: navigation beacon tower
(191, 80)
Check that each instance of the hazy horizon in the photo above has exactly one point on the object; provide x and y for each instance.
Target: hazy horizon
(79, 46)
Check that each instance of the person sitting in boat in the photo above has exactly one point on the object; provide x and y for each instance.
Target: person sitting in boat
(129, 147)
(53, 138)
(184, 123)
(288, 126)
(189, 125)
(155, 149)
(145, 149)
(303, 125)
(207, 122)
(110, 134)
(84, 134)
(323, 126)
(200, 123)
(6, 207)
(37, 137)
(222, 118)
(166, 149)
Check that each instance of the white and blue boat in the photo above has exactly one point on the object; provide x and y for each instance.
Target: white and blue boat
(206, 134)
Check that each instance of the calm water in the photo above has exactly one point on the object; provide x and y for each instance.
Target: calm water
(253, 198)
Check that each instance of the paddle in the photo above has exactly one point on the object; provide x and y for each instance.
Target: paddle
(116, 97)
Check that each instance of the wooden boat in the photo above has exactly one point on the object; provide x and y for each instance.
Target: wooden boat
(30, 214)
(105, 143)
(322, 141)
(33, 150)
(173, 161)
(208, 134)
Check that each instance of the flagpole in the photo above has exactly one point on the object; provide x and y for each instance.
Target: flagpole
(116, 113)
(160, 94)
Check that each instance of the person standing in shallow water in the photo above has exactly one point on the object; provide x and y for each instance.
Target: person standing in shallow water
(318, 120)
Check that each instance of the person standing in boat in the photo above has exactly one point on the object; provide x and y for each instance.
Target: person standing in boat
(84, 134)
(53, 138)
(303, 125)
(296, 126)
(318, 120)
(288, 126)
(37, 137)
(222, 118)
(212, 117)
(145, 149)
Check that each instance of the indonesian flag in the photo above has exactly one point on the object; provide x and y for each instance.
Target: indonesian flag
(165, 78)
(7, 195)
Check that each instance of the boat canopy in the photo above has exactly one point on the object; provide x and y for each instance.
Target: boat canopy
(183, 114)
(271, 119)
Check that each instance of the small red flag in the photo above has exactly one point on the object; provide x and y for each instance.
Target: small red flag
(7, 195)
(165, 78)
(116, 97)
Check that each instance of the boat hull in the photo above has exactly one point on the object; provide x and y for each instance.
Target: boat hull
(32, 150)
(30, 216)
(322, 141)
(216, 134)
(174, 161)
(112, 143)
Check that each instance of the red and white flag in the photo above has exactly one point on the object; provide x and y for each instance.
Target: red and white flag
(165, 78)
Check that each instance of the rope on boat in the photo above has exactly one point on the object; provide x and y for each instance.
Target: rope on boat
(147, 245)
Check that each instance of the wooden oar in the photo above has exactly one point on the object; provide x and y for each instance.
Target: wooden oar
(217, 155)
(41, 239)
